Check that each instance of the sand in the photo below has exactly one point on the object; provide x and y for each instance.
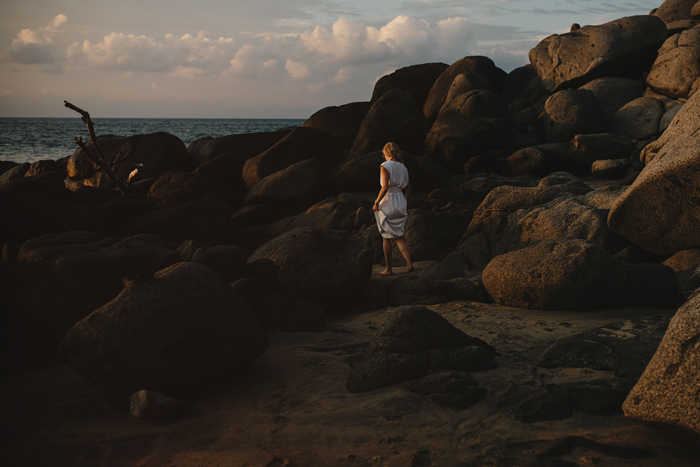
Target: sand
(291, 408)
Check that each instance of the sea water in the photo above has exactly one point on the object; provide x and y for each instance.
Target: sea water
(34, 139)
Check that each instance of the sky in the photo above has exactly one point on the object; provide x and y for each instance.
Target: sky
(254, 58)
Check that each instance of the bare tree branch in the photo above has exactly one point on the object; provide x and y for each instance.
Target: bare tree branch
(101, 160)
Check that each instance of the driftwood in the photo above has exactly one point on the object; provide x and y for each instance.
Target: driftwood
(100, 159)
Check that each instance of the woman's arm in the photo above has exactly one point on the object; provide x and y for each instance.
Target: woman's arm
(385, 187)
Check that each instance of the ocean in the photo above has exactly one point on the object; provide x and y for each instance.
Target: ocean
(34, 139)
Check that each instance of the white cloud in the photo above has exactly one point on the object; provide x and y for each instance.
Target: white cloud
(181, 56)
(298, 71)
(36, 47)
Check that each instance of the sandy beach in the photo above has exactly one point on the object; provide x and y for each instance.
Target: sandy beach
(291, 407)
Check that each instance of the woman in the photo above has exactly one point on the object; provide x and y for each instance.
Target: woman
(390, 206)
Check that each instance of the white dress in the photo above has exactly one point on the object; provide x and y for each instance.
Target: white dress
(391, 216)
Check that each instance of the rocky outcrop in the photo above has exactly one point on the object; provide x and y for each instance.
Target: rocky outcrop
(666, 394)
(326, 266)
(417, 80)
(413, 343)
(173, 331)
(301, 144)
(573, 274)
(394, 117)
(613, 92)
(342, 122)
(660, 212)
(623, 47)
(572, 112)
(482, 66)
(676, 71)
(638, 119)
(423, 289)
(672, 11)
(158, 152)
(298, 185)
(180, 187)
(511, 218)
(247, 144)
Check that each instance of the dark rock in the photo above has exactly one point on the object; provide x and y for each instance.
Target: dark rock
(301, 144)
(158, 152)
(454, 389)
(527, 161)
(483, 66)
(676, 71)
(342, 213)
(13, 173)
(598, 397)
(394, 117)
(248, 144)
(120, 209)
(553, 405)
(422, 289)
(227, 170)
(463, 84)
(452, 267)
(342, 122)
(150, 405)
(511, 218)
(668, 117)
(152, 335)
(91, 267)
(189, 248)
(638, 119)
(180, 187)
(489, 162)
(661, 210)
(476, 103)
(618, 48)
(572, 112)
(326, 266)
(296, 186)
(623, 347)
(612, 93)
(565, 182)
(684, 263)
(417, 80)
(573, 274)
(517, 81)
(27, 216)
(228, 260)
(206, 220)
(412, 343)
(254, 214)
(579, 154)
(610, 169)
(453, 139)
(431, 235)
(664, 395)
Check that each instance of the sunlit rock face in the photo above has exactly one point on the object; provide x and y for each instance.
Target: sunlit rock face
(618, 48)
(667, 393)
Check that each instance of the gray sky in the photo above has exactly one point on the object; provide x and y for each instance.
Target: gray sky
(253, 58)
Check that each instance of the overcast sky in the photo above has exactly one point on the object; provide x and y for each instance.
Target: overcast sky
(253, 58)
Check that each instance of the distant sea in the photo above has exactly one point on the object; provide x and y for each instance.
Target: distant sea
(34, 139)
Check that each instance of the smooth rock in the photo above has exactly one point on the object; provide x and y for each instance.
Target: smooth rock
(151, 405)
(612, 93)
(417, 80)
(676, 71)
(638, 119)
(572, 112)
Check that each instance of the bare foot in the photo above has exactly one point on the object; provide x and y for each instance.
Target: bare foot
(386, 272)
(411, 269)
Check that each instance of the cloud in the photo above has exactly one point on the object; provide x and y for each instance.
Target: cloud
(298, 71)
(36, 47)
(180, 56)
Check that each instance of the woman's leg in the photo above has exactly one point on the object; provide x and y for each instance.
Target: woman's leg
(386, 246)
(403, 248)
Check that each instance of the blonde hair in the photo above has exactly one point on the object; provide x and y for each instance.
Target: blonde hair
(392, 151)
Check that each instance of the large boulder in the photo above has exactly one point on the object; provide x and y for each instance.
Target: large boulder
(417, 80)
(342, 122)
(394, 117)
(511, 218)
(660, 212)
(415, 342)
(477, 103)
(173, 331)
(26, 216)
(676, 71)
(572, 112)
(666, 395)
(158, 152)
(227, 170)
(180, 187)
(573, 274)
(623, 47)
(479, 65)
(672, 11)
(453, 139)
(361, 172)
(91, 267)
(613, 92)
(638, 119)
(298, 185)
(299, 145)
(249, 144)
(329, 267)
